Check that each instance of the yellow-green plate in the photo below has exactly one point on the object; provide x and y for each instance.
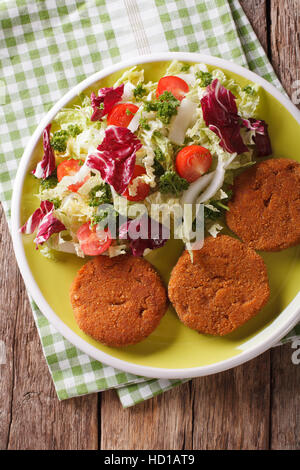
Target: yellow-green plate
(173, 350)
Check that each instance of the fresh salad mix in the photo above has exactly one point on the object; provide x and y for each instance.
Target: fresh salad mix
(177, 141)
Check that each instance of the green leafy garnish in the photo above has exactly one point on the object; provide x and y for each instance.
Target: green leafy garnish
(220, 206)
(162, 143)
(102, 215)
(210, 214)
(59, 139)
(150, 106)
(55, 201)
(205, 78)
(49, 183)
(159, 154)
(157, 166)
(171, 182)
(74, 130)
(105, 196)
(166, 106)
(139, 92)
(144, 124)
(185, 68)
(249, 90)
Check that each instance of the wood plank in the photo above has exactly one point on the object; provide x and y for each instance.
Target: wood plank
(31, 417)
(8, 309)
(285, 419)
(225, 411)
(231, 409)
(285, 41)
(164, 422)
(256, 11)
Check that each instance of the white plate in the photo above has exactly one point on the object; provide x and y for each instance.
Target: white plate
(260, 343)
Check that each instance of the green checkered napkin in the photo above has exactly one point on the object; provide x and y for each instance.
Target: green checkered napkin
(49, 46)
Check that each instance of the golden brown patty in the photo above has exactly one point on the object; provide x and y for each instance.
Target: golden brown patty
(118, 301)
(225, 286)
(265, 209)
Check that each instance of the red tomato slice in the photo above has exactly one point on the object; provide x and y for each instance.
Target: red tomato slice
(192, 162)
(119, 116)
(67, 168)
(93, 242)
(142, 189)
(178, 87)
(70, 168)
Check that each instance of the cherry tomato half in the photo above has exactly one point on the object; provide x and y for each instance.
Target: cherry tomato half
(70, 168)
(178, 87)
(121, 114)
(93, 242)
(192, 162)
(143, 188)
(67, 168)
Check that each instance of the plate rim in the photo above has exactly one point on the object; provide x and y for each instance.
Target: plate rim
(32, 286)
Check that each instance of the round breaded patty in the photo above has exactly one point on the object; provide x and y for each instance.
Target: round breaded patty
(265, 209)
(118, 301)
(224, 286)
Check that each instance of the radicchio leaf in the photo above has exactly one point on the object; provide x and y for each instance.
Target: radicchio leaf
(47, 227)
(44, 222)
(34, 220)
(139, 231)
(116, 158)
(107, 97)
(261, 137)
(231, 139)
(47, 165)
(219, 106)
(220, 115)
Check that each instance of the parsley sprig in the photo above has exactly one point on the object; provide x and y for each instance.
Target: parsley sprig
(185, 68)
(249, 90)
(105, 196)
(170, 182)
(50, 182)
(59, 139)
(139, 92)
(157, 165)
(205, 78)
(165, 107)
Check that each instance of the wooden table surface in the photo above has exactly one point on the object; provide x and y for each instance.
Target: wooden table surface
(254, 406)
